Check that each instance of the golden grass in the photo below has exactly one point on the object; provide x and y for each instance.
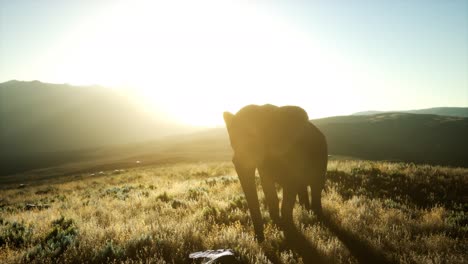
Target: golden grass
(161, 214)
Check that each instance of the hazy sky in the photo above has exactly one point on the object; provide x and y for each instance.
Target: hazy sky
(195, 59)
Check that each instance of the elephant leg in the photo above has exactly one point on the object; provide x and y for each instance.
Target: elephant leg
(304, 198)
(289, 199)
(271, 197)
(247, 180)
(317, 199)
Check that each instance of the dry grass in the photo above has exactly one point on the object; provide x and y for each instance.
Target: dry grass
(403, 212)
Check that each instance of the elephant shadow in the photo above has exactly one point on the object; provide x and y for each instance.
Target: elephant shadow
(359, 248)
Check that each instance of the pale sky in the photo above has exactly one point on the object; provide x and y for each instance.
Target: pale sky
(192, 60)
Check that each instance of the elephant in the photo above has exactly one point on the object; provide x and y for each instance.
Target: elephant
(286, 149)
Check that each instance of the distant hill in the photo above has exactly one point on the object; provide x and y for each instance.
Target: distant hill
(41, 117)
(443, 111)
(370, 112)
(57, 129)
(408, 137)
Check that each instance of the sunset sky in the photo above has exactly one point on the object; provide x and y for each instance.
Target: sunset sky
(195, 59)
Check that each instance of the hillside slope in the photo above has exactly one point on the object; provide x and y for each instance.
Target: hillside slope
(40, 117)
(405, 137)
(399, 136)
(442, 111)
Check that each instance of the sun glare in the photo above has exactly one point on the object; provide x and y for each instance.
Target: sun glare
(196, 59)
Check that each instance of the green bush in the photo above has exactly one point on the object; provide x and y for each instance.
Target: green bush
(177, 204)
(196, 193)
(120, 193)
(238, 202)
(58, 239)
(209, 212)
(139, 247)
(163, 197)
(109, 253)
(47, 190)
(14, 234)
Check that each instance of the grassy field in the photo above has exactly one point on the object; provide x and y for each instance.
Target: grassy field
(373, 211)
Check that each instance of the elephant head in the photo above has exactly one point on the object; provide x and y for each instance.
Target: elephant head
(257, 133)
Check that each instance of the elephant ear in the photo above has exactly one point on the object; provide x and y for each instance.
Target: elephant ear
(228, 117)
(286, 128)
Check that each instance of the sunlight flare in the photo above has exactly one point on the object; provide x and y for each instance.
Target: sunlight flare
(195, 60)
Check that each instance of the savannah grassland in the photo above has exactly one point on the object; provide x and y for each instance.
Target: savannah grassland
(393, 211)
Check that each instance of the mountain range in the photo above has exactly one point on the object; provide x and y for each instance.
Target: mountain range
(420, 138)
(39, 117)
(89, 128)
(443, 111)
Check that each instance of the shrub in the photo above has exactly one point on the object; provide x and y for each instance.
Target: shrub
(14, 234)
(58, 239)
(109, 253)
(238, 202)
(176, 204)
(47, 190)
(163, 197)
(139, 247)
(196, 193)
(209, 212)
(120, 193)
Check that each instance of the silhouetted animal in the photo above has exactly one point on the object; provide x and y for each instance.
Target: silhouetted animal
(286, 149)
